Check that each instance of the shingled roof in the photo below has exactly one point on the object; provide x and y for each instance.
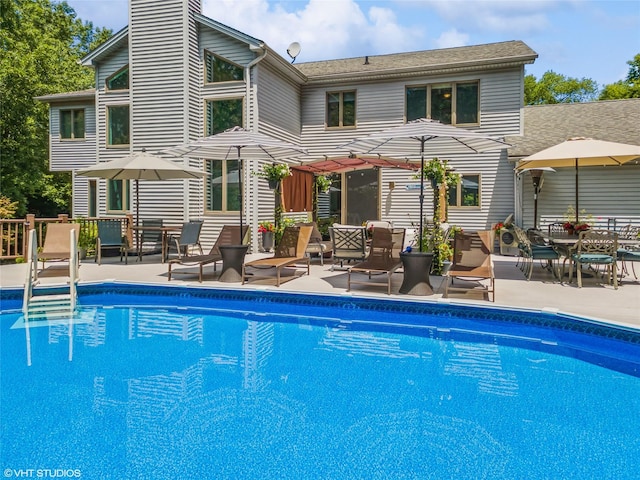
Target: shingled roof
(476, 56)
(548, 125)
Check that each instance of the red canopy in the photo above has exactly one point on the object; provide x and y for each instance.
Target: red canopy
(354, 162)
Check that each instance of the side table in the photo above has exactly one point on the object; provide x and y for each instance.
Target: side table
(417, 266)
(232, 260)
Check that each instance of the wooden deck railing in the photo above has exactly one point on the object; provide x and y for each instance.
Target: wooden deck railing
(14, 232)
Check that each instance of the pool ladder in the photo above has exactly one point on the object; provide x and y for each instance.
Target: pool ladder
(59, 304)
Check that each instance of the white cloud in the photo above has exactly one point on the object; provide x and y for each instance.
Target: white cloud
(324, 29)
(452, 38)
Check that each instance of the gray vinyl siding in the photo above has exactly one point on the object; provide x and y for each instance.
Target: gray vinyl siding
(604, 192)
(278, 101)
(381, 105)
(67, 155)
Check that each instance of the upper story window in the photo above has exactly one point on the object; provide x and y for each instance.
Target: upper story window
(118, 125)
(341, 109)
(119, 80)
(222, 114)
(466, 193)
(217, 69)
(450, 103)
(72, 124)
(222, 185)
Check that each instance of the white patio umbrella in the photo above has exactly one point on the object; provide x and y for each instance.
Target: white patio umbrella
(581, 151)
(401, 141)
(141, 166)
(238, 143)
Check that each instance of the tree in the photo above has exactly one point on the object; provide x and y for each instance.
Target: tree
(627, 88)
(555, 88)
(41, 44)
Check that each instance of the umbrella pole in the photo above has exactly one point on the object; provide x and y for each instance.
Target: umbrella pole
(137, 212)
(421, 189)
(240, 191)
(577, 209)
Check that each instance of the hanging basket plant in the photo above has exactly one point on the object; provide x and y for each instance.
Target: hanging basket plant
(323, 183)
(274, 173)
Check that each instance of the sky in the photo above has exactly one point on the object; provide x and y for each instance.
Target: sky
(576, 38)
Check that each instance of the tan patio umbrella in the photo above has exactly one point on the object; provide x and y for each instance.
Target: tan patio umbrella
(433, 137)
(141, 166)
(238, 143)
(581, 152)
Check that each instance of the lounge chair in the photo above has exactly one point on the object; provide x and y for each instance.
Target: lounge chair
(316, 244)
(289, 253)
(384, 257)
(189, 238)
(228, 236)
(57, 245)
(110, 237)
(349, 243)
(472, 262)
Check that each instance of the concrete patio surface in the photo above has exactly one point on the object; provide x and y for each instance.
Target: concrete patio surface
(595, 300)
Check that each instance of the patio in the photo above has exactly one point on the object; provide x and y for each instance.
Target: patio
(543, 292)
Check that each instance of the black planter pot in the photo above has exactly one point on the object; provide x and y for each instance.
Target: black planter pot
(273, 184)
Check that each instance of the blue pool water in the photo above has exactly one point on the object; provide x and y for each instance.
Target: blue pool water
(181, 383)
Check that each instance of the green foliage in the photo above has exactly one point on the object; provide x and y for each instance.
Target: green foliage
(555, 88)
(41, 43)
(273, 171)
(323, 183)
(7, 207)
(627, 88)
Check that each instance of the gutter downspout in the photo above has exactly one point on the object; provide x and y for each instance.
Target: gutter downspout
(251, 105)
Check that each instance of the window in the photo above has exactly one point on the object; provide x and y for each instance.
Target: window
(218, 69)
(118, 125)
(222, 183)
(223, 187)
(466, 193)
(341, 109)
(93, 198)
(117, 195)
(119, 80)
(222, 114)
(450, 103)
(72, 124)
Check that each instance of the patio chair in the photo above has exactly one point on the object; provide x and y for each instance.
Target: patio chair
(189, 238)
(56, 242)
(596, 247)
(472, 262)
(349, 243)
(289, 253)
(316, 244)
(384, 257)
(629, 252)
(228, 236)
(533, 247)
(153, 237)
(110, 237)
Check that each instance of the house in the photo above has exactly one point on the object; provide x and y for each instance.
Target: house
(173, 75)
(608, 194)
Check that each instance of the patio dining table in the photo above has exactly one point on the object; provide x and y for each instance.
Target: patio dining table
(566, 244)
(166, 231)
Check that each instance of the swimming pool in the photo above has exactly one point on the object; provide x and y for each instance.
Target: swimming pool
(174, 382)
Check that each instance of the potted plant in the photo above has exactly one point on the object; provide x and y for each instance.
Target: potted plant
(323, 183)
(274, 173)
(267, 229)
(432, 238)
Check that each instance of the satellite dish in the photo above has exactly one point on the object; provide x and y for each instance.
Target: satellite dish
(294, 51)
